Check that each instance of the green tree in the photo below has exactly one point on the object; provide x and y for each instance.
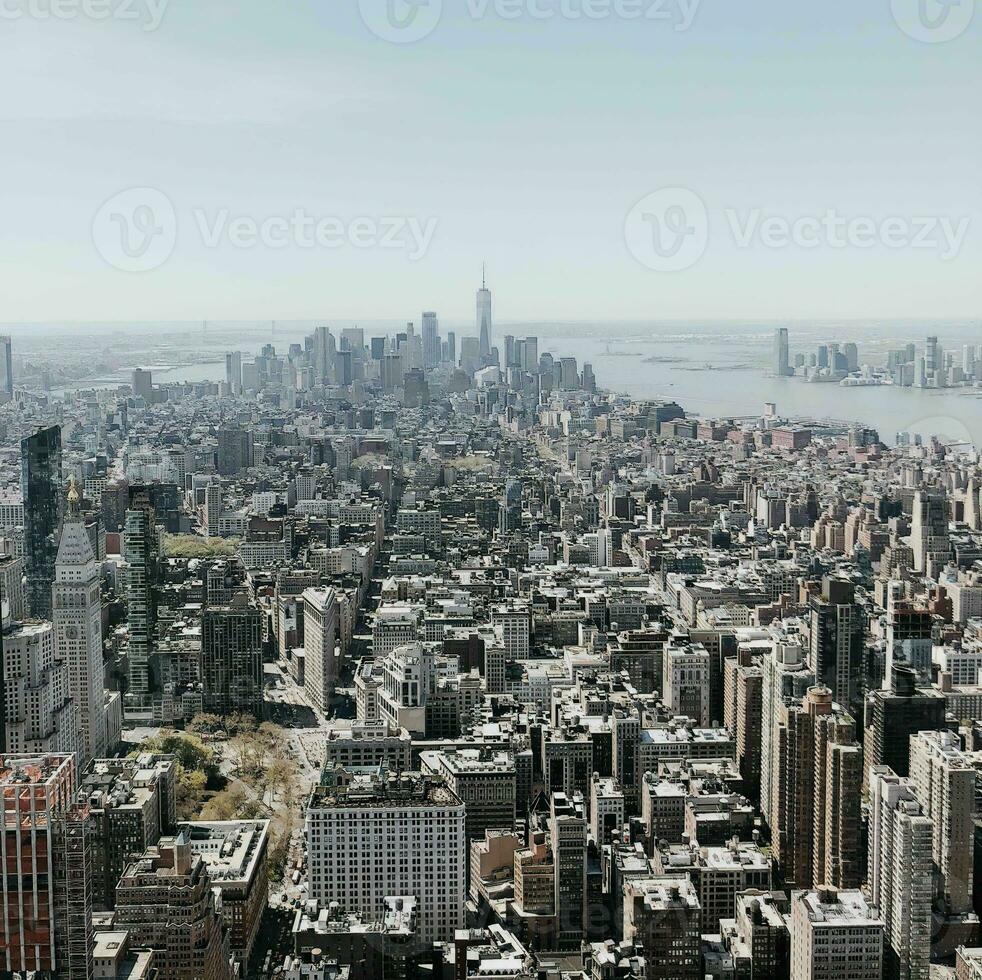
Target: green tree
(190, 546)
(240, 722)
(233, 803)
(197, 767)
(190, 786)
(190, 751)
(237, 723)
(252, 751)
(279, 776)
(280, 833)
(205, 724)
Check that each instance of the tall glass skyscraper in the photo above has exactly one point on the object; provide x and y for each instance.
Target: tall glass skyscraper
(431, 340)
(6, 370)
(484, 318)
(41, 488)
(782, 354)
(934, 362)
(233, 371)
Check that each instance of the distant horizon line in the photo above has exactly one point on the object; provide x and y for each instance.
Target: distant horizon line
(265, 323)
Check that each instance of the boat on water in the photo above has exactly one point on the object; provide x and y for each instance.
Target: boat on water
(861, 382)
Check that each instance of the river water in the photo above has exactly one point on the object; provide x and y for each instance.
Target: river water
(718, 370)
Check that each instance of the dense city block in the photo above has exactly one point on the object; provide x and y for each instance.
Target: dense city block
(424, 656)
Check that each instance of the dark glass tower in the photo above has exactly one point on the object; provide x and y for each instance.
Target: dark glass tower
(837, 640)
(141, 554)
(41, 487)
(510, 511)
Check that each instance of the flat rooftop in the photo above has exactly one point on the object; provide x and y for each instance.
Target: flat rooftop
(230, 848)
(663, 736)
(373, 788)
(839, 909)
(25, 770)
(471, 762)
(663, 893)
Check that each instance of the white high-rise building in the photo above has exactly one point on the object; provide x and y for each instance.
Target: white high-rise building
(929, 532)
(76, 604)
(516, 624)
(835, 936)
(786, 674)
(686, 681)
(12, 607)
(306, 486)
(320, 631)
(372, 836)
(213, 508)
(900, 872)
(39, 707)
(601, 547)
(966, 600)
(963, 665)
(944, 780)
(394, 627)
(409, 678)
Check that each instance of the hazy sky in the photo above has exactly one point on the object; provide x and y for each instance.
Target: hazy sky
(526, 142)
